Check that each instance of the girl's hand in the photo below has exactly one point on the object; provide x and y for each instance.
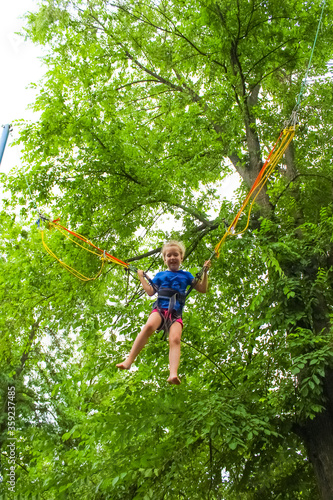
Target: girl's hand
(140, 273)
(207, 264)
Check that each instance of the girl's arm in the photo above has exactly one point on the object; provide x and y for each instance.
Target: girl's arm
(147, 288)
(202, 286)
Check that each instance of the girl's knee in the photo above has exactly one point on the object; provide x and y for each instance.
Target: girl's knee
(175, 336)
(174, 340)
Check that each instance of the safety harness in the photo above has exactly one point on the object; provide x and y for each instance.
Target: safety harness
(172, 296)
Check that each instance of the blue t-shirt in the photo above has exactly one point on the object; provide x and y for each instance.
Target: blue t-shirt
(177, 280)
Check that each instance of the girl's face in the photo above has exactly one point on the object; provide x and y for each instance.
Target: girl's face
(173, 257)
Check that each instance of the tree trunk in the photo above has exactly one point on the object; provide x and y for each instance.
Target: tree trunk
(317, 435)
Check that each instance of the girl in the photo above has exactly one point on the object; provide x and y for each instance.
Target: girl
(167, 311)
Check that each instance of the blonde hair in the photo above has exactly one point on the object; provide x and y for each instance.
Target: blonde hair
(174, 243)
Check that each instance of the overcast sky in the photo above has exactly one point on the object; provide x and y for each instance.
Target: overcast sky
(20, 65)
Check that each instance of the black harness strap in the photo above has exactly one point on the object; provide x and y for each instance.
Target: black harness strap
(199, 274)
(151, 283)
(172, 315)
(196, 280)
(171, 295)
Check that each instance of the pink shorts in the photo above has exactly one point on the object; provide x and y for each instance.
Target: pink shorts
(165, 314)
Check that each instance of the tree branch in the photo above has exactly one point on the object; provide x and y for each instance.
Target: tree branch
(268, 54)
(25, 355)
(194, 213)
(144, 255)
(135, 82)
(293, 179)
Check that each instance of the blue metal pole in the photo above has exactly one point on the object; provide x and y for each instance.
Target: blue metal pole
(3, 139)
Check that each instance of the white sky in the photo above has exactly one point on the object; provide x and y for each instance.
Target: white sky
(20, 65)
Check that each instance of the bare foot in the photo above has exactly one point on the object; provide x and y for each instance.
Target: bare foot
(123, 366)
(173, 380)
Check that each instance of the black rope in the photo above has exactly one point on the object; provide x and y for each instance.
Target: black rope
(203, 354)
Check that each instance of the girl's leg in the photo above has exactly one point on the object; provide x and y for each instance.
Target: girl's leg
(152, 324)
(174, 352)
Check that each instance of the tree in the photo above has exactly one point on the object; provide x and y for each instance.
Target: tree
(145, 109)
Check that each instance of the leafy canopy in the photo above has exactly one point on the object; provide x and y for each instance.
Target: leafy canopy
(146, 108)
